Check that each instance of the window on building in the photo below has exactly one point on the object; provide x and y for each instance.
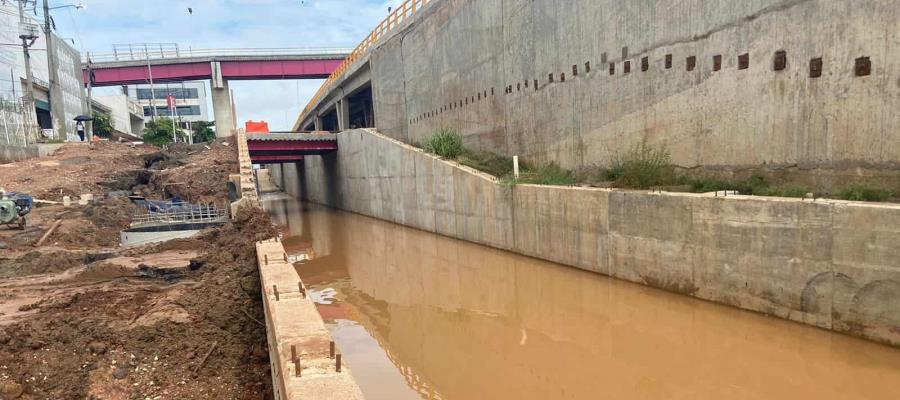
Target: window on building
(163, 111)
(162, 93)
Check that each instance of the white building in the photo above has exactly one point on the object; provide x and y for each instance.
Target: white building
(190, 100)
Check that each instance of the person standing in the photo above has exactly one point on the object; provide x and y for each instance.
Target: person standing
(79, 128)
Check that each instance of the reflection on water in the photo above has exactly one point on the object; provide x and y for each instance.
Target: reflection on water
(455, 320)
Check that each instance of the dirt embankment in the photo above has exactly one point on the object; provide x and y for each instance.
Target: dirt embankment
(81, 318)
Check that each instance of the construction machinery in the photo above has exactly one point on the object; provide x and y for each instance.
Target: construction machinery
(14, 207)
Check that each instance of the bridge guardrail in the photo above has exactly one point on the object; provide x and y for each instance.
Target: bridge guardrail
(394, 18)
(142, 54)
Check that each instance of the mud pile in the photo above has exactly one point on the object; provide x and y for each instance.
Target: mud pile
(81, 318)
(147, 336)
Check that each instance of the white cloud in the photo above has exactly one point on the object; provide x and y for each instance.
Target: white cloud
(230, 24)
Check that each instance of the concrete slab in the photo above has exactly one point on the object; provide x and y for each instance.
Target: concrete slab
(294, 327)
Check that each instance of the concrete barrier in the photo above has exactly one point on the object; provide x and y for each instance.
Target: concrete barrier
(18, 153)
(297, 335)
(827, 263)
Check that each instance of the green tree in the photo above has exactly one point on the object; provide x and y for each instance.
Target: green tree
(102, 125)
(158, 132)
(202, 131)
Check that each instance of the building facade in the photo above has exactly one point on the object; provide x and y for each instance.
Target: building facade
(190, 101)
(17, 122)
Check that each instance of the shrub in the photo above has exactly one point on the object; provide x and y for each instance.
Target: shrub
(863, 193)
(202, 131)
(642, 167)
(445, 143)
(102, 125)
(158, 132)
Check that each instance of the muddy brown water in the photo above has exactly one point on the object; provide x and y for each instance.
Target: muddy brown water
(418, 315)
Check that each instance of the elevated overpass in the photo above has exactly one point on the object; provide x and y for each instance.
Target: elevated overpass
(166, 65)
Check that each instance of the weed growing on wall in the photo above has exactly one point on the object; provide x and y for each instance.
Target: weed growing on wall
(642, 167)
(863, 193)
(545, 174)
(756, 185)
(445, 142)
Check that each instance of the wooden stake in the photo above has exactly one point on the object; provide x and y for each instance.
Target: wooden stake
(49, 232)
(251, 317)
(208, 353)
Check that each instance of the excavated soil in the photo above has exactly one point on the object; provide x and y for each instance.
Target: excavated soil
(194, 173)
(109, 332)
(81, 318)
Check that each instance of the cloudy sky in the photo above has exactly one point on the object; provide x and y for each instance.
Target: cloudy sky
(228, 24)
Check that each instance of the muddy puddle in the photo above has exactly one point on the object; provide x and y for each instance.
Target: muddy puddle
(418, 315)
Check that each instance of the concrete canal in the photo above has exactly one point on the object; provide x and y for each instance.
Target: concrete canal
(418, 315)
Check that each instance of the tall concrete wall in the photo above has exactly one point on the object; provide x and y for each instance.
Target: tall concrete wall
(452, 66)
(832, 264)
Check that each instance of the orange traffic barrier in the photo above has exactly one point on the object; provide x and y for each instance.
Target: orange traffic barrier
(256, 127)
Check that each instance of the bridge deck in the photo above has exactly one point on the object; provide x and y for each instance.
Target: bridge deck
(292, 137)
(275, 148)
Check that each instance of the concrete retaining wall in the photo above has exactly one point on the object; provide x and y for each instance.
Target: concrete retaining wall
(532, 78)
(832, 264)
(18, 153)
(295, 328)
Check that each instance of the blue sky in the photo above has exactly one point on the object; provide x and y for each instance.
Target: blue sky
(228, 24)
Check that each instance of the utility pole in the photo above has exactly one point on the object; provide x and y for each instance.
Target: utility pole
(28, 39)
(90, 107)
(53, 75)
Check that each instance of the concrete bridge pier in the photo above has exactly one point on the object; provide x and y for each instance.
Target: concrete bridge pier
(343, 114)
(317, 123)
(223, 105)
(223, 111)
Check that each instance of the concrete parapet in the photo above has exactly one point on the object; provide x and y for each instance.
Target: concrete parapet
(297, 335)
(18, 153)
(828, 263)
